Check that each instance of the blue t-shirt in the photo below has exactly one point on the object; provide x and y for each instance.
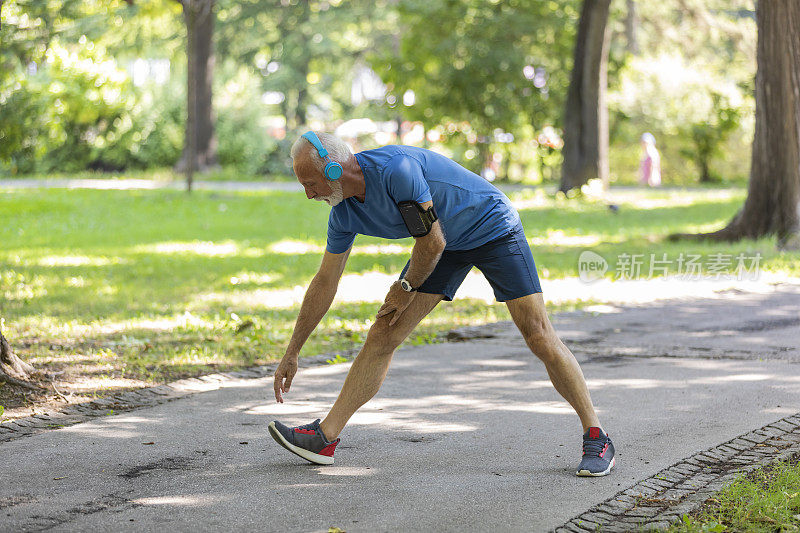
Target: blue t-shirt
(471, 210)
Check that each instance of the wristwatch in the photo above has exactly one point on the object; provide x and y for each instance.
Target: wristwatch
(406, 286)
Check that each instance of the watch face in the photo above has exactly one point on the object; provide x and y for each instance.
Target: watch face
(406, 285)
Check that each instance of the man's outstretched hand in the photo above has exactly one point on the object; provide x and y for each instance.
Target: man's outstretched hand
(397, 300)
(284, 375)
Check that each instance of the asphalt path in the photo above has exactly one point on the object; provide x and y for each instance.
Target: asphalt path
(462, 436)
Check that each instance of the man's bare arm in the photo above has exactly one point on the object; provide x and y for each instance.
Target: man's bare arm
(318, 299)
(426, 253)
(316, 302)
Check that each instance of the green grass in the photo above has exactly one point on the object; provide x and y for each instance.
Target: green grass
(152, 285)
(766, 500)
(164, 174)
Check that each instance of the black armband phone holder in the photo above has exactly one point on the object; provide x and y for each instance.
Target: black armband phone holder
(418, 220)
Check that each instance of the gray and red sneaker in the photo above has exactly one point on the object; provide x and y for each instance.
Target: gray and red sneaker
(306, 441)
(598, 453)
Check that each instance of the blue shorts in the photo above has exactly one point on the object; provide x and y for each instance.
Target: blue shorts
(506, 262)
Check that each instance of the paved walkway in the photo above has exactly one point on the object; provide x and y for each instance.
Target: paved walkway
(463, 436)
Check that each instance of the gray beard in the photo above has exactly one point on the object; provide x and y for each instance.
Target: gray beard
(336, 197)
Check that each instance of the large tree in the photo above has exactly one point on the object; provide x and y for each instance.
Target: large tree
(773, 196)
(200, 146)
(586, 115)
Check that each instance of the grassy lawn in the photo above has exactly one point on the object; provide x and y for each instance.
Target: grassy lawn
(164, 174)
(766, 500)
(116, 289)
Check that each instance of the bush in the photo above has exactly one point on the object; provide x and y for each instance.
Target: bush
(80, 111)
(242, 128)
(159, 126)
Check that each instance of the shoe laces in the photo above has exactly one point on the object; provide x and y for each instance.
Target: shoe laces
(594, 446)
(312, 426)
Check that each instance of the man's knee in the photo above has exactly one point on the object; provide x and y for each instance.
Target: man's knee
(539, 335)
(383, 338)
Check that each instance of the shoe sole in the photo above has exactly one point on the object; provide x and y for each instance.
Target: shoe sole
(586, 473)
(301, 452)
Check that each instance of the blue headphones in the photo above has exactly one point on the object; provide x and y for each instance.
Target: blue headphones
(332, 170)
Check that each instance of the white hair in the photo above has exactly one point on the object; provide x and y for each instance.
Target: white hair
(338, 150)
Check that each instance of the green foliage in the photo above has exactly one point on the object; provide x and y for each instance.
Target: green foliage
(80, 111)
(709, 135)
(158, 118)
(243, 140)
(73, 114)
(495, 67)
(306, 50)
(469, 80)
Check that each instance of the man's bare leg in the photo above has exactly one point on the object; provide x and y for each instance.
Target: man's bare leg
(530, 316)
(370, 366)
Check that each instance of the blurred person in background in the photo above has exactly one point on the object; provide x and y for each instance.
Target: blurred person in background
(650, 164)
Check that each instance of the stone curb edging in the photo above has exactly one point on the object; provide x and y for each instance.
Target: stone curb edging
(660, 500)
(135, 399)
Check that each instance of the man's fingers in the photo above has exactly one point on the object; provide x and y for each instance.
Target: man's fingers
(277, 387)
(287, 384)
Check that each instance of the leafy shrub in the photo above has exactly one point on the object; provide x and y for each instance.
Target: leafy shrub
(80, 111)
(241, 128)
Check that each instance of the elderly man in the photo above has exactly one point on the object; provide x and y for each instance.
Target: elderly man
(458, 220)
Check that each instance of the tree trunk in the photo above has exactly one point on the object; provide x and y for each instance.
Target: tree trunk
(586, 115)
(631, 26)
(705, 171)
(300, 116)
(13, 369)
(299, 113)
(773, 196)
(200, 139)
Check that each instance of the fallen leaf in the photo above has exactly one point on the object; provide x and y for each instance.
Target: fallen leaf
(245, 442)
(57, 478)
(148, 443)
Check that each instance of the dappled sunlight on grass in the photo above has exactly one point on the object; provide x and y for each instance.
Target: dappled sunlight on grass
(559, 238)
(293, 247)
(78, 260)
(381, 249)
(172, 285)
(252, 278)
(204, 248)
